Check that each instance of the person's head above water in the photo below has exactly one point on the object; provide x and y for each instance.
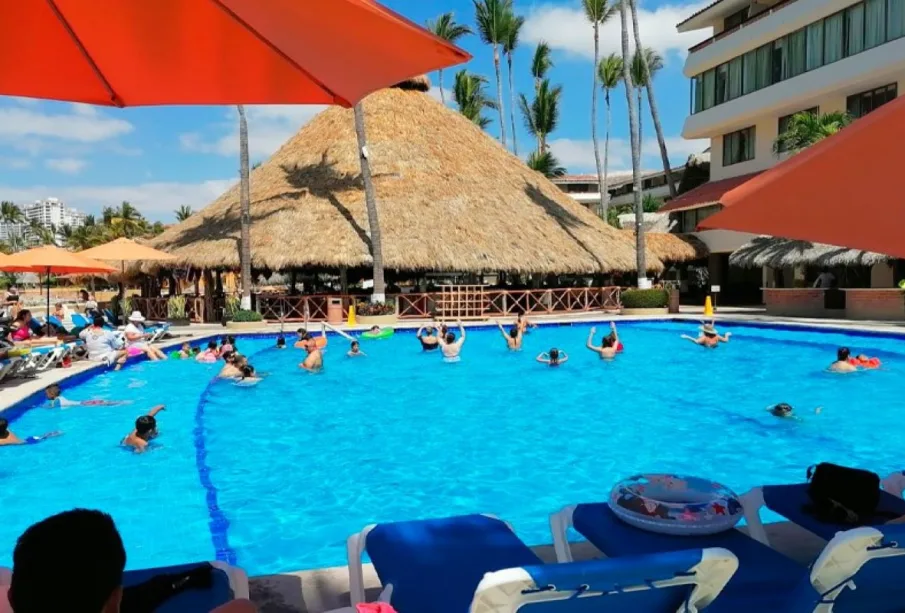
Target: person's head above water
(781, 410)
(186, 348)
(248, 371)
(429, 331)
(212, 345)
(554, 355)
(513, 331)
(98, 321)
(44, 550)
(354, 346)
(608, 341)
(450, 337)
(843, 354)
(4, 427)
(145, 427)
(52, 391)
(375, 328)
(281, 341)
(302, 332)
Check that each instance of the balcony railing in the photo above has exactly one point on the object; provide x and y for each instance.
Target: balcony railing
(707, 41)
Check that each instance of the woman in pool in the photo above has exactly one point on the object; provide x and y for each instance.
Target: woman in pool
(709, 337)
(449, 346)
(428, 340)
(55, 400)
(842, 364)
(355, 350)
(554, 357)
(227, 344)
(609, 345)
(281, 342)
(513, 338)
(209, 355)
(232, 369)
(8, 438)
(523, 324)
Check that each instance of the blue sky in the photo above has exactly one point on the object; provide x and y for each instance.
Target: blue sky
(161, 158)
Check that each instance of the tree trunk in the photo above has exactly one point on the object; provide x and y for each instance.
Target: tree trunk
(638, 89)
(440, 79)
(601, 184)
(245, 207)
(379, 294)
(654, 113)
(606, 151)
(641, 264)
(499, 94)
(512, 104)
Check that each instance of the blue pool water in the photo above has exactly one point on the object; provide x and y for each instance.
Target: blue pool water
(276, 477)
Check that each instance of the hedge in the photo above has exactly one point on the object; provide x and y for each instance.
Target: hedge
(645, 299)
(243, 316)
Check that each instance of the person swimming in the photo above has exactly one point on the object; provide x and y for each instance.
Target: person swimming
(523, 324)
(609, 346)
(55, 400)
(355, 350)
(513, 338)
(709, 336)
(302, 341)
(314, 361)
(785, 410)
(281, 342)
(209, 355)
(145, 430)
(450, 346)
(228, 343)
(554, 357)
(429, 341)
(8, 438)
(842, 364)
(185, 352)
(232, 369)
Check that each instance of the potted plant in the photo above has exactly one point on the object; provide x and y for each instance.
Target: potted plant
(645, 301)
(176, 311)
(230, 307)
(376, 313)
(245, 320)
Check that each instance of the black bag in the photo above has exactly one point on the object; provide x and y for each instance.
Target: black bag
(843, 495)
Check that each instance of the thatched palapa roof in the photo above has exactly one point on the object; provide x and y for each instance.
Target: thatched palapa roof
(778, 252)
(671, 247)
(449, 197)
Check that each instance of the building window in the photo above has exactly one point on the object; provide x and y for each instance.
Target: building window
(735, 19)
(764, 54)
(722, 83)
(814, 46)
(778, 60)
(796, 54)
(749, 79)
(784, 122)
(738, 146)
(895, 19)
(874, 23)
(735, 78)
(709, 78)
(833, 38)
(854, 29)
(861, 104)
(698, 85)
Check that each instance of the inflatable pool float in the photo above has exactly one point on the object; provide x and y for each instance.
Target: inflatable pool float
(865, 363)
(246, 382)
(383, 333)
(134, 352)
(675, 504)
(19, 351)
(620, 347)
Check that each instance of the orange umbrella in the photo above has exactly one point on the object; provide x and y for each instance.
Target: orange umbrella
(840, 191)
(50, 259)
(128, 53)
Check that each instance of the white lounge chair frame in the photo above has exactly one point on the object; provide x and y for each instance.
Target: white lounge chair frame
(560, 522)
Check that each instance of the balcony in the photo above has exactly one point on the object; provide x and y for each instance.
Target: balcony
(708, 41)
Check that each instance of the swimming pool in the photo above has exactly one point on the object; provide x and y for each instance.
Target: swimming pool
(276, 477)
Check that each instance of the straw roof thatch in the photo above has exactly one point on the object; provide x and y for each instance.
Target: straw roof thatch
(670, 247)
(449, 197)
(778, 252)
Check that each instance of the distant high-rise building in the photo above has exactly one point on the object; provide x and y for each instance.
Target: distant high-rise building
(53, 212)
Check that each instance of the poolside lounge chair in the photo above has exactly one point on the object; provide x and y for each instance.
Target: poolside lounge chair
(476, 564)
(229, 583)
(766, 580)
(8, 368)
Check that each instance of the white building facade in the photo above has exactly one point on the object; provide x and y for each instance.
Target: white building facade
(53, 212)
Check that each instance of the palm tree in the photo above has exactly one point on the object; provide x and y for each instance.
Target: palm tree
(513, 27)
(652, 103)
(645, 66)
(541, 115)
(640, 260)
(107, 214)
(804, 129)
(11, 213)
(379, 293)
(597, 12)
(126, 221)
(471, 98)
(609, 73)
(546, 164)
(245, 211)
(651, 204)
(445, 27)
(493, 18)
(541, 63)
(183, 212)
(42, 234)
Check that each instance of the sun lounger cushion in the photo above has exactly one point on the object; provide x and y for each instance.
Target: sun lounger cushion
(190, 600)
(435, 565)
(790, 500)
(758, 564)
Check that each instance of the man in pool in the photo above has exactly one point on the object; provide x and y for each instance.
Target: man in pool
(302, 340)
(145, 430)
(314, 361)
(709, 337)
(428, 340)
(609, 345)
(513, 338)
(450, 347)
(55, 399)
(355, 350)
(842, 365)
(786, 411)
(8, 438)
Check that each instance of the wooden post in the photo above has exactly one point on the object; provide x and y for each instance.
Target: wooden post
(209, 311)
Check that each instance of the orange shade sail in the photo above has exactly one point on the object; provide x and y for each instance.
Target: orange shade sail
(154, 52)
(52, 260)
(842, 191)
(125, 250)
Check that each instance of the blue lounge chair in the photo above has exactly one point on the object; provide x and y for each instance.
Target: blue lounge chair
(766, 580)
(476, 564)
(229, 583)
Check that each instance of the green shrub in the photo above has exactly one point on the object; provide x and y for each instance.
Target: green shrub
(375, 308)
(243, 316)
(230, 307)
(645, 298)
(176, 307)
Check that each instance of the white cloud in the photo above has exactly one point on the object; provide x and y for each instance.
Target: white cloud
(567, 29)
(8, 163)
(156, 200)
(269, 126)
(69, 166)
(578, 155)
(435, 94)
(80, 125)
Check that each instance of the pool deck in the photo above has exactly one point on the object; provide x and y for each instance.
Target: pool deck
(316, 591)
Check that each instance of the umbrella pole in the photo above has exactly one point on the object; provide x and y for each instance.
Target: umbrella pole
(47, 315)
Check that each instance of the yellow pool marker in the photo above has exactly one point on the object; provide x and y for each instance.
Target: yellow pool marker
(351, 314)
(708, 307)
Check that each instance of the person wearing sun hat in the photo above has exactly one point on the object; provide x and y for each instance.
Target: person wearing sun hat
(709, 336)
(137, 338)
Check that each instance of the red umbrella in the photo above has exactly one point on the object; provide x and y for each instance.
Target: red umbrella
(841, 191)
(152, 52)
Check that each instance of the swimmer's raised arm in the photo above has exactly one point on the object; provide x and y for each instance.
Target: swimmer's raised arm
(590, 343)
(694, 340)
(543, 358)
(564, 357)
(156, 410)
(615, 333)
(461, 331)
(725, 337)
